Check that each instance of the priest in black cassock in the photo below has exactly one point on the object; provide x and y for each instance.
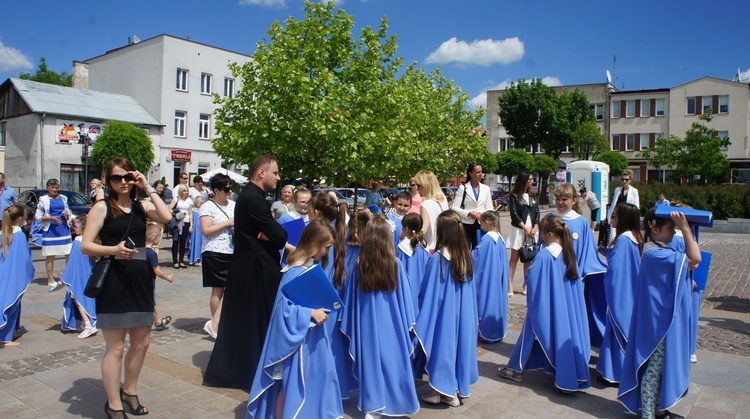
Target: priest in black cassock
(252, 283)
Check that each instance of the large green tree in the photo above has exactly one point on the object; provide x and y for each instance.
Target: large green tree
(513, 161)
(588, 141)
(615, 160)
(324, 101)
(697, 157)
(121, 139)
(543, 166)
(571, 110)
(45, 75)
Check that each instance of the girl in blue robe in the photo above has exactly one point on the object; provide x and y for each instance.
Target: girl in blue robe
(16, 273)
(656, 370)
(76, 306)
(678, 244)
(447, 322)
(590, 267)
(378, 321)
(296, 376)
(624, 262)
(412, 253)
(491, 279)
(554, 336)
(196, 235)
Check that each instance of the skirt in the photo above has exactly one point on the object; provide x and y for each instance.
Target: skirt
(215, 269)
(516, 236)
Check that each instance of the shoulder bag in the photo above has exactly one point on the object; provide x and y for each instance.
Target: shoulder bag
(98, 278)
(527, 252)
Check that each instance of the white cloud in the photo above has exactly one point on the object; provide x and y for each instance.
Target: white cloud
(481, 99)
(551, 81)
(482, 52)
(12, 59)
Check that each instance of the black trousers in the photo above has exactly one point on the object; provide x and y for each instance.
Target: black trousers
(179, 244)
(471, 233)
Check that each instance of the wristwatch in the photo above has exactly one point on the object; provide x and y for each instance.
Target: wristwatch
(151, 190)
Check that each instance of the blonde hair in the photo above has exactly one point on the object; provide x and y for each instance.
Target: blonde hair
(198, 199)
(567, 190)
(492, 218)
(153, 230)
(430, 185)
(9, 216)
(179, 191)
(97, 182)
(317, 234)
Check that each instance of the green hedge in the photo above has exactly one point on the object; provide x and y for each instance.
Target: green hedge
(725, 201)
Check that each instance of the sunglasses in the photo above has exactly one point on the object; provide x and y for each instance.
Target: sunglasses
(414, 185)
(626, 180)
(227, 189)
(119, 178)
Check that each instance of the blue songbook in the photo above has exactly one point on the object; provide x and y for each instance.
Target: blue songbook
(695, 217)
(294, 230)
(700, 274)
(312, 289)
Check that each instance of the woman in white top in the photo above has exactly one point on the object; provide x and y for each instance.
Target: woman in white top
(524, 221)
(199, 189)
(181, 206)
(623, 194)
(217, 225)
(471, 200)
(433, 203)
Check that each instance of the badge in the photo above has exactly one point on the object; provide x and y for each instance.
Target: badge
(575, 235)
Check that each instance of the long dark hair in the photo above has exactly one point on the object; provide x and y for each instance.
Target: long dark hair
(111, 199)
(650, 220)
(629, 219)
(451, 237)
(520, 188)
(413, 222)
(554, 225)
(332, 211)
(377, 266)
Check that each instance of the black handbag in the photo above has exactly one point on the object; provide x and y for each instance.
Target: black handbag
(98, 278)
(527, 252)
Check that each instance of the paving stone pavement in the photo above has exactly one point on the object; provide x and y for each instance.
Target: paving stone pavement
(57, 375)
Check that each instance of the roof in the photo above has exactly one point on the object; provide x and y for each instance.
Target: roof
(82, 103)
(160, 37)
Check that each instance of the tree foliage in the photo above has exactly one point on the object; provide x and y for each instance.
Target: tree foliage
(698, 157)
(325, 102)
(45, 75)
(512, 162)
(488, 161)
(588, 141)
(543, 166)
(615, 160)
(121, 139)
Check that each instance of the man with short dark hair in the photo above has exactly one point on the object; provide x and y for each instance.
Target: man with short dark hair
(183, 180)
(7, 195)
(253, 280)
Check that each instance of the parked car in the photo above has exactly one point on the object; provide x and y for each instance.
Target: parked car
(29, 199)
(449, 191)
(349, 194)
(341, 198)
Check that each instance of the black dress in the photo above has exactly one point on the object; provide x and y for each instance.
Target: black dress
(250, 293)
(128, 297)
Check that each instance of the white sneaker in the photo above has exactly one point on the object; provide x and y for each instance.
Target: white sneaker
(54, 287)
(89, 331)
(693, 358)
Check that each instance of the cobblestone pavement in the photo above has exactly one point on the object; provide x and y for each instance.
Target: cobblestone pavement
(728, 285)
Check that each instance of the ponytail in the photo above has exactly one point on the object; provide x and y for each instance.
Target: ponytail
(9, 217)
(413, 222)
(554, 225)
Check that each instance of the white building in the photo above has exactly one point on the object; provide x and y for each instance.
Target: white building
(175, 80)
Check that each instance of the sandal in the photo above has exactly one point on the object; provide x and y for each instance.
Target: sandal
(163, 324)
(114, 414)
(669, 415)
(606, 382)
(511, 375)
(176, 266)
(131, 401)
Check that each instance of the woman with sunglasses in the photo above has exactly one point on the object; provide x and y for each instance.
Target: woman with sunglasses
(181, 206)
(217, 225)
(471, 200)
(54, 215)
(127, 304)
(625, 194)
(416, 198)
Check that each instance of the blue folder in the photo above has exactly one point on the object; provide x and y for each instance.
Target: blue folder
(312, 289)
(700, 274)
(294, 230)
(695, 217)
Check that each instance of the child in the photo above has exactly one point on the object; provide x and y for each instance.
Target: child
(656, 370)
(378, 320)
(554, 334)
(412, 253)
(153, 238)
(196, 235)
(296, 375)
(624, 263)
(16, 273)
(491, 279)
(447, 322)
(356, 227)
(77, 306)
(403, 203)
(590, 266)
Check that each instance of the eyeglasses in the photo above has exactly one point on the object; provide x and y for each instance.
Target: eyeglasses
(119, 178)
(198, 181)
(183, 178)
(626, 179)
(414, 185)
(227, 189)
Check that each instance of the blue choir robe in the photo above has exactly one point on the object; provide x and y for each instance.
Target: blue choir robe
(396, 219)
(446, 328)
(491, 281)
(415, 262)
(554, 336)
(16, 273)
(296, 357)
(591, 269)
(678, 244)
(196, 239)
(624, 263)
(76, 275)
(378, 325)
(661, 313)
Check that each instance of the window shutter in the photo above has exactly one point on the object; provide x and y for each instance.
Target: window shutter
(715, 104)
(651, 140)
(653, 108)
(638, 108)
(637, 142)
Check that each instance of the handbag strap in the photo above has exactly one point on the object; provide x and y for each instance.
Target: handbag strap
(464, 198)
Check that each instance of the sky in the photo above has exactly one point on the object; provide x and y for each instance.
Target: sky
(480, 45)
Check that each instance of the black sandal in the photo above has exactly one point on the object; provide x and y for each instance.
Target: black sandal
(136, 408)
(606, 382)
(164, 322)
(114, 414)
(669, 415)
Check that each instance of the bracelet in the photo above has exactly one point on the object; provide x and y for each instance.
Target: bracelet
(152, 190)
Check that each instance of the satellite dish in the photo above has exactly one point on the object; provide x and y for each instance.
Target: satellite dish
(609, 77)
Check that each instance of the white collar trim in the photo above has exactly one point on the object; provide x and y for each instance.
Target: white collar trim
(555, 249)
(570, 215)
(494, 235)
(405, 246)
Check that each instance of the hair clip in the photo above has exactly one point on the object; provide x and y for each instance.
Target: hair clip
(651, 223)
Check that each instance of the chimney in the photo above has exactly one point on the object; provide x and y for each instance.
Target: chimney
(80, 75)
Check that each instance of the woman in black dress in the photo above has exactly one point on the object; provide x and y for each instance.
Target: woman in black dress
(127, 304)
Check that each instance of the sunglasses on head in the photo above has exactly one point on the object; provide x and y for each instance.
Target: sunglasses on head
(118, 178)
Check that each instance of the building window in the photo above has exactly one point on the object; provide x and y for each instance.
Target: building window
(616, 109)
(659, 136)
(644, 141)
(204, 130)
(228, 87)
(720, 134)
(630, 142)
(660, 107)
(706, 102)
(3, 133)
(598, 109)
(616, 142)
(182, 79)
(179, 123)
(206, 83)
(630, 109)
(723, 104)
(645, 108)
(691, 106)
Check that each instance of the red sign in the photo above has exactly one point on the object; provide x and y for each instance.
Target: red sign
(179, 155)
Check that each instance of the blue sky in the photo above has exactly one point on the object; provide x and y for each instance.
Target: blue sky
(481, 45)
